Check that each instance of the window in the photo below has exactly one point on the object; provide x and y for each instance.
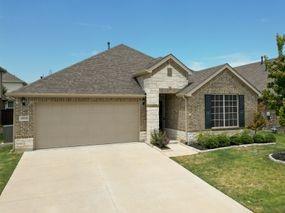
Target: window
(169, 72)
(224, 111)
(9, 105)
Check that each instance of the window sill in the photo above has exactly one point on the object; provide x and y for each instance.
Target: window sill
(225, 128)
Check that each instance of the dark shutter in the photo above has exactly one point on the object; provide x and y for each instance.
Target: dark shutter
(7, 117)
(208, 122)
(241, 110)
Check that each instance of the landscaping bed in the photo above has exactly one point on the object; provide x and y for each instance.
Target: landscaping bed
(244, 173)
(279, 156)
(8, 162)
(212, 141)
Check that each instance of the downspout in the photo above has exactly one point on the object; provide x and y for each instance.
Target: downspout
(185, 117)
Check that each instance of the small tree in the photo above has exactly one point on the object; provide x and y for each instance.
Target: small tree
(274, 95)
(282, 116)
(258, 121)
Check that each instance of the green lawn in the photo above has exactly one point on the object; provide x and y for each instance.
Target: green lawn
(245, 174)
(8, 162)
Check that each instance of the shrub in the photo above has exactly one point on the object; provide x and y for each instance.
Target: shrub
(223, 140)
(269, 138)
(207, 141)
(246, 138)
(159, 138)
(258, 138)
(235, 139)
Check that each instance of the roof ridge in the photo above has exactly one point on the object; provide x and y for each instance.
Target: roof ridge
(248, 64)
(138, 51)
(82, 61)
(210, 68)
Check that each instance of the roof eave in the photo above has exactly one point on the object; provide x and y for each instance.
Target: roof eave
(227, 66)
(74, 95)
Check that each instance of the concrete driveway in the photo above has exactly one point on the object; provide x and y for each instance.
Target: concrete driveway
(130, 177)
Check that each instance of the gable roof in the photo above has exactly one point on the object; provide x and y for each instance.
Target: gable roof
(255, 73)
(200, 78)
(107, 73)
(10, 78)
(161, 60)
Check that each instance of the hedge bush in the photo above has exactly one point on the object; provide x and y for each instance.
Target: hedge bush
(223, 140)
(207, 141)
(258, 138)
(269, 137)
(235, 139)
(246, 138)
(211, 141)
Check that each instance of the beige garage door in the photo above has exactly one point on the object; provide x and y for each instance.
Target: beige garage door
(72, 124)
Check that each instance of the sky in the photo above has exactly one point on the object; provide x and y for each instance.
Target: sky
(44, 36)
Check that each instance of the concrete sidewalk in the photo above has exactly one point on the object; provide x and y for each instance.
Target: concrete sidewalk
(130, 177)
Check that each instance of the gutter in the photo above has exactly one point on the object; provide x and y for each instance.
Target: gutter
(74, 95)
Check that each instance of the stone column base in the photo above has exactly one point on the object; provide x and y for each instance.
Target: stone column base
(24, 144)
(152, 121)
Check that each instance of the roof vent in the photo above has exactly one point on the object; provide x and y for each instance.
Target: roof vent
(108, 44)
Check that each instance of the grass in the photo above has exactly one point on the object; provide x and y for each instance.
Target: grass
(246, 174)
(8, 162)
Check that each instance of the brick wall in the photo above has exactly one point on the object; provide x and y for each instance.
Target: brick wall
(224, 83)
(174, 112)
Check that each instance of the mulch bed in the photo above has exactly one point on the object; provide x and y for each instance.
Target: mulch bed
(197, 146)
(279, 156)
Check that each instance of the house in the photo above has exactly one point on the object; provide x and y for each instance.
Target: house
(11, 82)
(122, 95)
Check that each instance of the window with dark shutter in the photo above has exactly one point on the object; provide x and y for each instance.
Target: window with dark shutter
(241, 110)
(208, 119)
(223, 111)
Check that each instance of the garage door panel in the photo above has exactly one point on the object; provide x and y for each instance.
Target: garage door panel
(71, 124)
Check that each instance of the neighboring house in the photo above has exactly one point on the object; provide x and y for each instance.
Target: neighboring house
(122, 95)
(11, 83)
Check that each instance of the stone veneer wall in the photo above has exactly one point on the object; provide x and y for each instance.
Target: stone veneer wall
(24, 131)
(224, 83)
(159, 80)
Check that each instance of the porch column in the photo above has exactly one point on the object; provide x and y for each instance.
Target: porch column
(152, 112)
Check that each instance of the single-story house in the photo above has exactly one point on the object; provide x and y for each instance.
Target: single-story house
(122, 95)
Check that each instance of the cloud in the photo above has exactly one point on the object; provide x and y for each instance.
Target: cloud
(196, 65)
(98, 26)
(234, 59)
(264, 20)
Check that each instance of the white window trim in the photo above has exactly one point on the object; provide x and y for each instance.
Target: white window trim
(224, 114)
(7, 105)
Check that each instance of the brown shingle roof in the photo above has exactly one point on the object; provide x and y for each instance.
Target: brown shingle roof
(255, 73)
(109, 72)
(199, 77)
(10, 78)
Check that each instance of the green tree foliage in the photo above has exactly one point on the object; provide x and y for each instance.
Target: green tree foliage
(274, 95)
